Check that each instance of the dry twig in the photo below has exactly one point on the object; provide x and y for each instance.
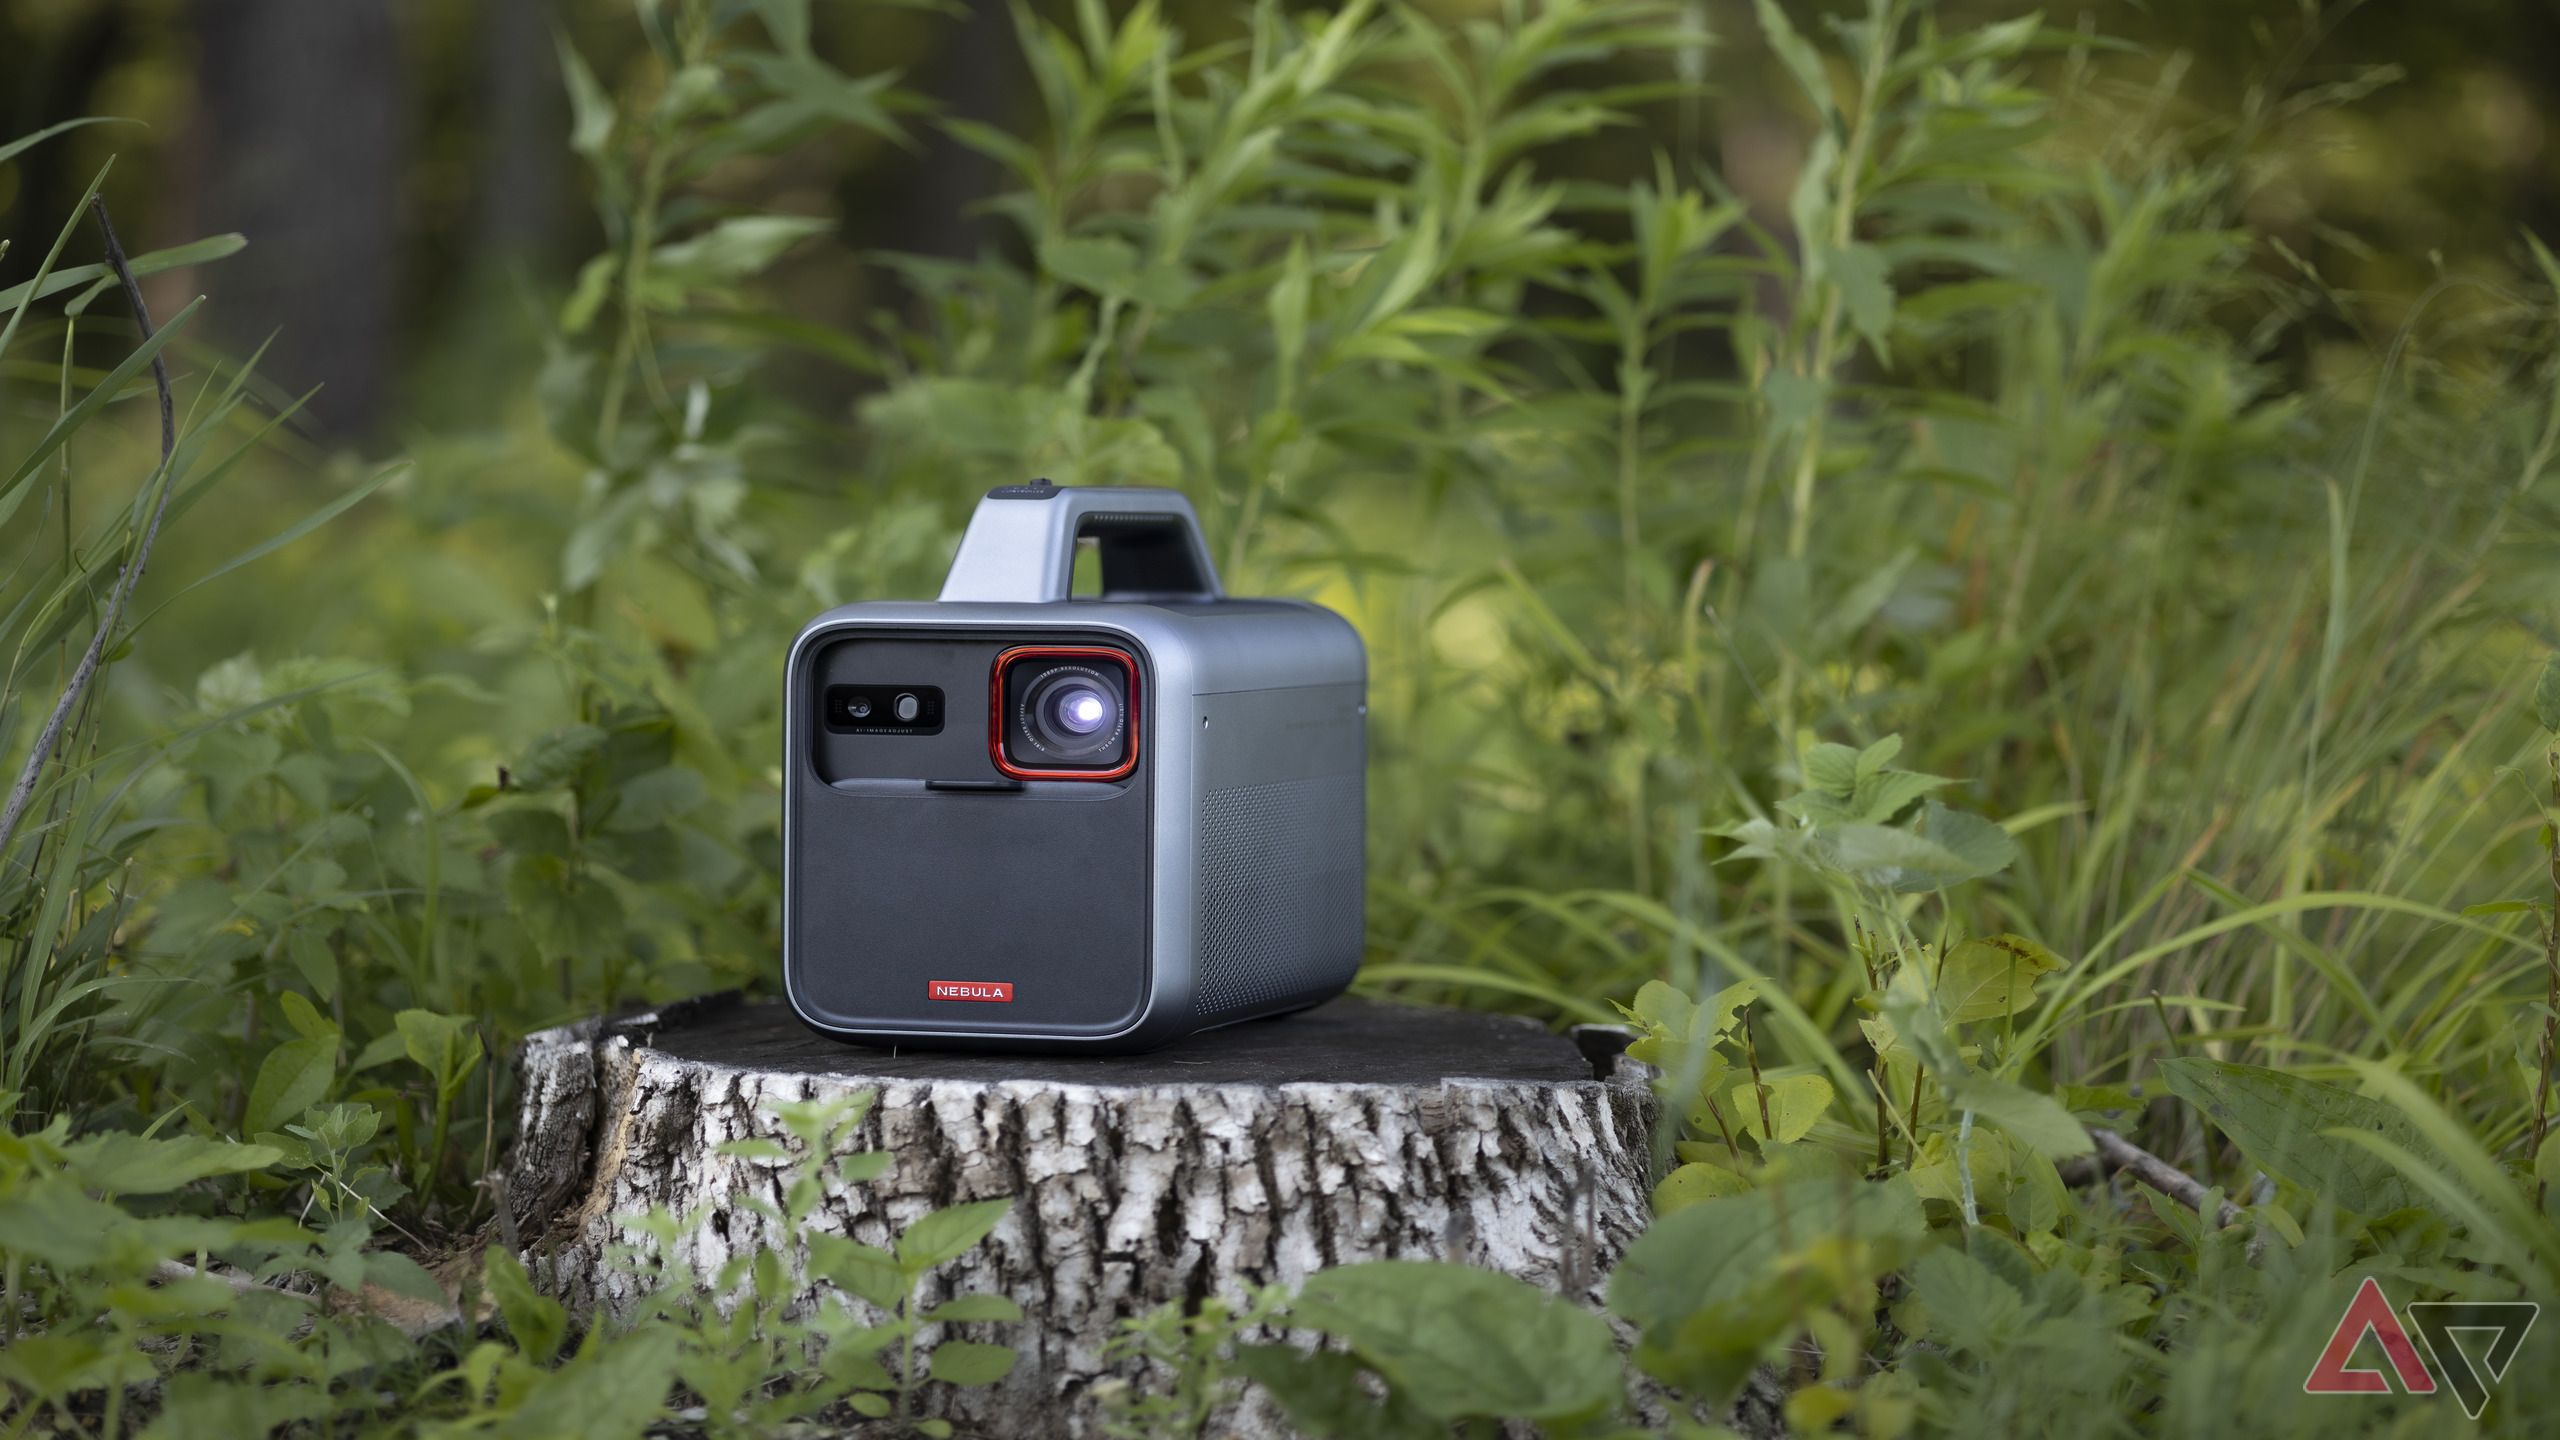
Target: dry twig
(24, 790)
(2117, 1153)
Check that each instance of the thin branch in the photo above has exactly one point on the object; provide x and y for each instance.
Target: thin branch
(24, 791)
(171, 1271)
(2117, 1153)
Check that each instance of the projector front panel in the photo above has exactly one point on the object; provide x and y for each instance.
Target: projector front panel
(933, 895)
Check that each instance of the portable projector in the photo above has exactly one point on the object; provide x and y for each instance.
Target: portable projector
(1016, 819)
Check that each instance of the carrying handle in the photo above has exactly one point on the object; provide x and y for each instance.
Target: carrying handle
(1021, 545)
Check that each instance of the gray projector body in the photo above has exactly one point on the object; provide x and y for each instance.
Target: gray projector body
(952, 878)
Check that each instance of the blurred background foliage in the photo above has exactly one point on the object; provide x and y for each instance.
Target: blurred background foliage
(400, 164)
(2139, 415)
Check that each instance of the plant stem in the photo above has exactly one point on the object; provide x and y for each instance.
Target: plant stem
(1911, 1154)
(1964, 1167)
(1844, 220)
(907, 1358)
(1751, 1056)
(1632, 384)
(1716, 1112)
(635, 269)
(51, 734)
(1884, 1156)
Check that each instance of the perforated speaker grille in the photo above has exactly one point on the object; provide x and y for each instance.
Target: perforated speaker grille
(1280, 892)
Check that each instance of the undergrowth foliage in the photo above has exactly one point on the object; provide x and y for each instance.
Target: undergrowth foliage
(1931, 653)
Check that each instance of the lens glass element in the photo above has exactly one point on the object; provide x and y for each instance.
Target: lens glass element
(1082, 711)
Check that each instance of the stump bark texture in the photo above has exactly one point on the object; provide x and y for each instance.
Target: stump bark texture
(1255, 1154)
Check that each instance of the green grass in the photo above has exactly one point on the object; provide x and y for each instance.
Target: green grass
(2009, 440)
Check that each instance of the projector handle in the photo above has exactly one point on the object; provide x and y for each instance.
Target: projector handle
(1021, 545)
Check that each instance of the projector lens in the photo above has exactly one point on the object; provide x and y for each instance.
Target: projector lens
(1066, 714)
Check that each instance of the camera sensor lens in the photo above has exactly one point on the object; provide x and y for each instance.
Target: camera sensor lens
(858, 708)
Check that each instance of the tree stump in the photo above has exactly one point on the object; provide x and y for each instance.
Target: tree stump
(1255, 1154)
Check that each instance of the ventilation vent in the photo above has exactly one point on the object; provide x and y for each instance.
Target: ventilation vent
(1280, 892)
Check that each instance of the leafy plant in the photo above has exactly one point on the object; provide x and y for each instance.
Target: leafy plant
(736, 1339)
(1190, 1360)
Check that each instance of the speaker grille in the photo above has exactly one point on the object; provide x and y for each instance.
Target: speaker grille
(1280, 892)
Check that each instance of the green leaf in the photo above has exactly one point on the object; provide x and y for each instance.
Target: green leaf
(2097, 1101)
(445, 1046)
(590, 109)
(1287, 306)
(787, 21)
(966, 1362)
(292, 1079)
(733, 249)
(397, 1273)
(614, 1387)
(119, 1163)
(947, 1234)
(196, 1404)
(306, 1020)
(1718, 1252)
(587, 296)
(2279, 1119)
(382, 1049)
(1951, 848)
(108, 389)
(1101, 264)
(2038, 1121)
(1967, 1306)
(538, 1322)
(1831, 769)
(1990, 977)
(1794, 1102)
(1800, 58)
(1458, 1341)
(556, 758)
(656, 798)
(973, 1308)
(1694, 1183)
(175, 257)
(2546, 694)
(1866, 289)
(1325, 1394)
(864, 1271)
(23, 143)
(1671, 1022)
(1793, 399)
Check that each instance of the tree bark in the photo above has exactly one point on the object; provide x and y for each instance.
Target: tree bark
(1258, 1154)
(303, 106)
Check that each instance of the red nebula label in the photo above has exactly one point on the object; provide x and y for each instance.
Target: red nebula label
(969, 990)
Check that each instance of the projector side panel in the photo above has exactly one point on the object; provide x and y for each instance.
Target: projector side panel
(1279, 874)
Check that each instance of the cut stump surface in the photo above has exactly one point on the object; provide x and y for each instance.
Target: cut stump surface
(1250, 1155)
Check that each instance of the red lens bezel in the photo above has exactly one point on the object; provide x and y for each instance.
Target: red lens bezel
(996, 721)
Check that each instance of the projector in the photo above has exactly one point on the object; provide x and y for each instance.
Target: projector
(1014, 818)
